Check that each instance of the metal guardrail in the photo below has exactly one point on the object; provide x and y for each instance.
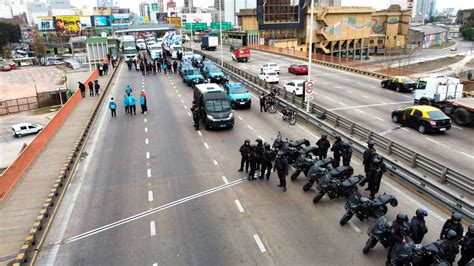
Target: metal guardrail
(335, 124)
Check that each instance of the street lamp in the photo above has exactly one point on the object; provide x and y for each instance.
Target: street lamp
(310, 55)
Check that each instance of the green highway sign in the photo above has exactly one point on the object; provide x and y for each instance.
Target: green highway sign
(196, 26)
(225, 25)
(154, 6)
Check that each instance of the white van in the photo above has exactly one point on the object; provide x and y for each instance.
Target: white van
(23, 129)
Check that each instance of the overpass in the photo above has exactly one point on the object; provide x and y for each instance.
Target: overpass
(146, 28)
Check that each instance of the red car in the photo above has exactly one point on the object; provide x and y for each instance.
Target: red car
(4, 66)
(298, 69)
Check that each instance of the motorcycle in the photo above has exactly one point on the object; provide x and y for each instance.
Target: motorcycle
(290, 114)
(325, 168)
(304, 161)
(364, 208)
(379, 231)
(271, 103)
(409, 253)
(335, 188)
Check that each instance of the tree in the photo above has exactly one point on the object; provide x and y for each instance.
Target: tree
(38, 45)
(468, 33)
(7, 51)
(9, 33)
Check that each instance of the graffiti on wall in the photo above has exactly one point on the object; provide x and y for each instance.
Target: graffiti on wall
(380, 27)
(351, 22)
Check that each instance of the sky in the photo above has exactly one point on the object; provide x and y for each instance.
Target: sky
(379, 4)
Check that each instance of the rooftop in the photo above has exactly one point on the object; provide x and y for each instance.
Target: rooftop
(429, 29)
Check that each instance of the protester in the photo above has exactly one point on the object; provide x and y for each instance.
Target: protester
(131, 104)
(125, 104)
(113, 107)
(91, 88)
(82, 88)
(143, 102)
(96, 87)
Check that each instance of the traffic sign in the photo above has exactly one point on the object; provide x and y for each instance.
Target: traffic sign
(309, 97)
(225, 25)
(196, 26)
(309, 87)
(154, 6)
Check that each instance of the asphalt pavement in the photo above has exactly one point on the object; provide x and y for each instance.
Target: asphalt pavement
(151, 190)
(362, 100)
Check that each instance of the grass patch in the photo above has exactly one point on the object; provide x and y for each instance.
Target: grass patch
(434, 64)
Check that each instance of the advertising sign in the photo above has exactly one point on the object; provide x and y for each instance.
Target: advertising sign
(45, 23)
(70, 25)
(174, 20)
(86, 22)
(100, 21)
(117, 20)
(161, 17)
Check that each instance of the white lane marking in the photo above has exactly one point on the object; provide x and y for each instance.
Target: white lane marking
(199, 133)
(176, 90)
(148, 172)
(432, 140)
(412, 200)
(148, 155)
(347, 79)
(189, 114)
(150, 195)
(249, 127)
(327, 98)
(368, 105)
(456, 127)
(215, 162)
(378, 118)
(185, 107)
(343, 104)
(472, 157)
(259, 243)
(155, 264)
(205, 145)
(225, 180)
(239, 206)
(339, 87)
(182, 101)
(144, 120)
(240, 118)
(365, 96)
(146, 141)
(404, 129)
(382, 102)
(354, 226)
(146, 129)
(349, 91)
(260, 137)
(360, 111)
(179, 95)
(324, 83)
(152, 228)
(149, 212)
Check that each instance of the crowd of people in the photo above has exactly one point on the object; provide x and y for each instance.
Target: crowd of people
(153, 66)
(129, 103)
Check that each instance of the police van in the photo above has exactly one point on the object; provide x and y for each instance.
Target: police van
(214, 106)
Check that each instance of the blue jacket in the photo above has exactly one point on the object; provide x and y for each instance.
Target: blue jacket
(125, 101)
(142, 100)
(112, 104)
(131, 100)
(128, 90)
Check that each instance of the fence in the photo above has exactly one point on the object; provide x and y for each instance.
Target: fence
(333, 123)
(18, 105)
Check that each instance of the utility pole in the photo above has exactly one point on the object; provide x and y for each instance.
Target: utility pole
(220, 32)
(310, 52)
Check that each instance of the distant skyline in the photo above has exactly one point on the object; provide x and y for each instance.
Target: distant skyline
(379, 4)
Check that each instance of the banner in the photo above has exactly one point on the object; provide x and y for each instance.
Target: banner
(161, 17)
(117, 20)
(100, 21)
(86, 22)
(45, 23)
(175, 21)
(70, 25)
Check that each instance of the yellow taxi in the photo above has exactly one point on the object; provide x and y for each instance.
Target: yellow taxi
(424, 118)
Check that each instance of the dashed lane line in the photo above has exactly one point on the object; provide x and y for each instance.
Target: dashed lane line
(239, 206)
(144, 120)
(199, 133)
(148, 155)
(259, 243)
(249, 127)
(368, 105)
(468, 155)
(189, 114)
(260, 137)
(185, 107)
(205, 145)
(365, 96)
(150, 196)
(432, 140)
(152, 228)
(148, 172)
(146, 141)
(146, 129)
(354, 226)
(240, 117)
(343, 104)
(360, 111)
(215, 162)
(225, 180)
(378, 118)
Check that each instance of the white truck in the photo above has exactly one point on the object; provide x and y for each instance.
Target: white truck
(445, 93)
(175, 49)
(128, 41)
(209, 42)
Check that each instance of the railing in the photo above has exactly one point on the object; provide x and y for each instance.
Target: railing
(335, 124)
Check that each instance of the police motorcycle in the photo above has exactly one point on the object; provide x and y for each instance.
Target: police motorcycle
(290, 114)
(379, 231)
(324, 167)
(364, 208)
(290, 148)
(335, 187)
(409, 253)
(304, 161)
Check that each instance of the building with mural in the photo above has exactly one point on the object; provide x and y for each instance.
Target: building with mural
(428, 35)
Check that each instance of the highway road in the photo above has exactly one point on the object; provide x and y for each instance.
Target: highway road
(151, 190)
(362, 100)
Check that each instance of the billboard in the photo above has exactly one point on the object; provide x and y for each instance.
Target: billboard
(174, 20)
(86, 22)
(70, 25)
(119, 20)
(105, 3)
(161, 17)
(100, 21)
(45, 23)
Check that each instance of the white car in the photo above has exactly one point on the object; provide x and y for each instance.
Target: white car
(141, 44)
(156, 51)
(295, 87)
(269, 76)
(271, 67)
(188, 55)
(23, 129)
(150, 43)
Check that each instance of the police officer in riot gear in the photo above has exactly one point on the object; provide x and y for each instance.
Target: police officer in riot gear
(381, 168)
(245, 153)
(467, 246)
(346, 153)
(337, 151)
(253, 161)
(454, 223)
(371, 176)
(259, 152)
(323, 146)
(449, 248)
(418, 226)
(267, 158)
(195, 111)
(368, 156)
(400, 229)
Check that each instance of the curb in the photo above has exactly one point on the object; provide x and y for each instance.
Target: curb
(33, 242)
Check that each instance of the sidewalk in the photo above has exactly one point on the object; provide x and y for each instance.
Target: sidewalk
(20, 208)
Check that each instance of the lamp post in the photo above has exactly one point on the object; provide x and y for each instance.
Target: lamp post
(310, 52)
(220, 32)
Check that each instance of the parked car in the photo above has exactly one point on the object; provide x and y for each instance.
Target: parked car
(234, 47)
(399, 83)
(214, 74)
(238, 95)
(23, 129)
(269, 76)
(193, 77)
(295, 87)
(188, 55)
(184, 67)
(4, 66)
(454, 48)
(424, 118)
(298, 69)
(270, 67)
